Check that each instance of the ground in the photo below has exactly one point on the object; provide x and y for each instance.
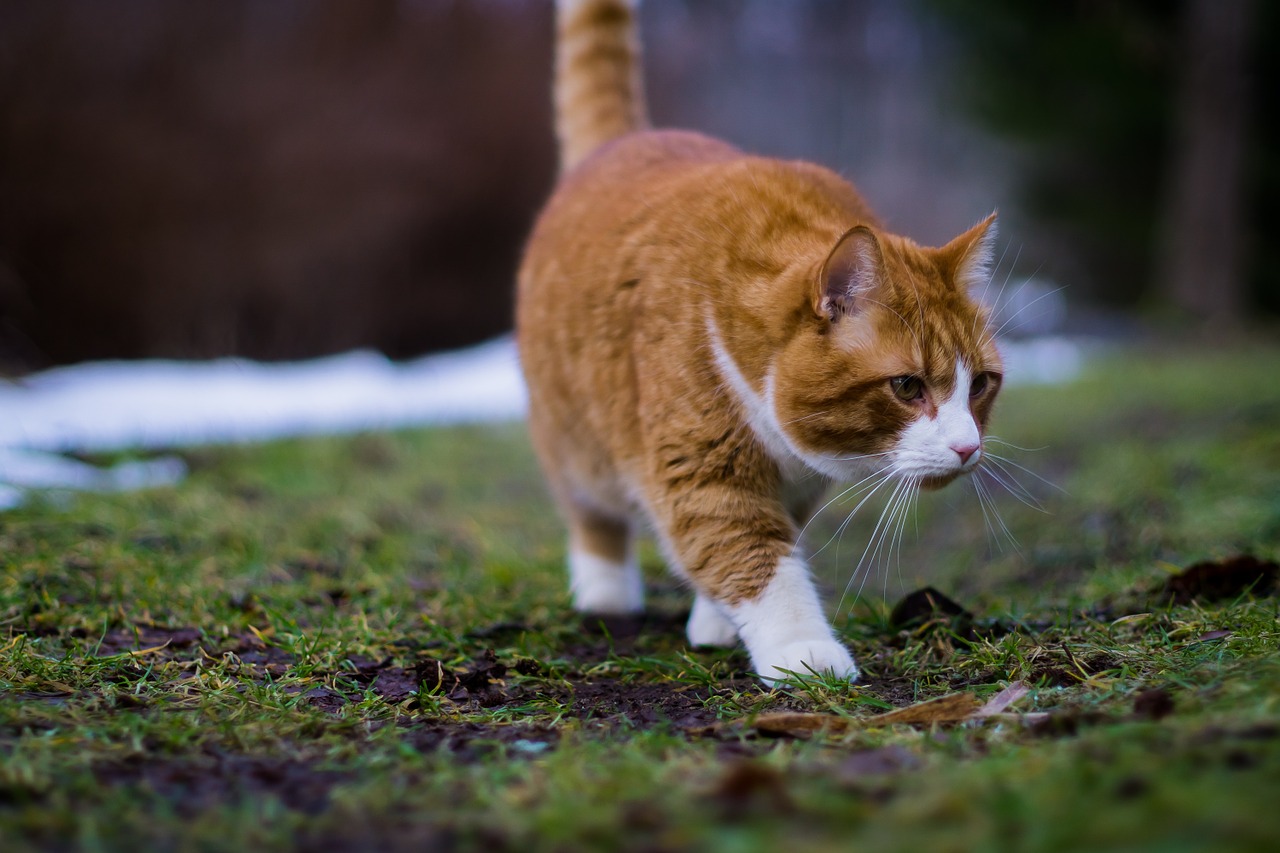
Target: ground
(365, 644)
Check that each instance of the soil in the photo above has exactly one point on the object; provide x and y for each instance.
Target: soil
(1221, 580)
(926, 606)
(193, 784)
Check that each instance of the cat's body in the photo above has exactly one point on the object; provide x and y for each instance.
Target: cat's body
(709, 338)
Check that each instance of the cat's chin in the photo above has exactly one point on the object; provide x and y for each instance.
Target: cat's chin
(933, 483)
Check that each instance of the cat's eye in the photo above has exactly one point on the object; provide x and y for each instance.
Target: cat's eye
(980, 383)
(907, 388)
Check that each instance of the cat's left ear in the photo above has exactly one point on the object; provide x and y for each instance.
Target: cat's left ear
(971, 256)
(850, 273)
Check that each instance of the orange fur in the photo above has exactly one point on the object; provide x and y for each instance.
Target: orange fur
(664, 262)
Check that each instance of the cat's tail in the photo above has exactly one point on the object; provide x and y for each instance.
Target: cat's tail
(599, 93)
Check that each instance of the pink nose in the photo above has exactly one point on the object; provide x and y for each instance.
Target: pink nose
(964, 451)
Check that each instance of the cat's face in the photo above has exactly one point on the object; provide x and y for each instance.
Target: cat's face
(899, 371)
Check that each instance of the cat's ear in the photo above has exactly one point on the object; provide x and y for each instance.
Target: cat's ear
(972, 255)
(851, 272)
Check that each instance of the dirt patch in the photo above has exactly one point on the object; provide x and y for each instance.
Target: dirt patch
(161, 642)
(194, 785)
(480, 683)
(927, 608)
(474, 741)
(749, 788)
(600, 637)
(1154, 703)
(618, 704)
(1221, 580)
(604, 703)
(155, 638)
(1063, 668)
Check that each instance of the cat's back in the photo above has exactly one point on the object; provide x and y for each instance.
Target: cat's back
(640, 170)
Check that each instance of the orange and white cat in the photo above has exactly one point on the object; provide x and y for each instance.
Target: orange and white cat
(710, 338)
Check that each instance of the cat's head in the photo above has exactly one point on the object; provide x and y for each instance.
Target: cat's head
(896, 369)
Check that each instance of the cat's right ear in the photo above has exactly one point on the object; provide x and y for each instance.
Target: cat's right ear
(849, 275)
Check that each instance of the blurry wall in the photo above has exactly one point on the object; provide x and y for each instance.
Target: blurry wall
(283, 178)
(273, 179)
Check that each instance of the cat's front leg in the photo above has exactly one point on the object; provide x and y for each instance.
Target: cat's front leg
(785, 629)
(749, 587)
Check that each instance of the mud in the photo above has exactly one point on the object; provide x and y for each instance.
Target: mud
(194, 784)
(927, 606)
(1222, 580)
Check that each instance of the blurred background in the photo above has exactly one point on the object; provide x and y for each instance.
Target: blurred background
(292, 178)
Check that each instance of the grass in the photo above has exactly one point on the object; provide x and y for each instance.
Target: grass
(365, 643)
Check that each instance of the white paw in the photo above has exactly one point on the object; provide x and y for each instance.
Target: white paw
(708, 626)
(603, 586)
(825, 657)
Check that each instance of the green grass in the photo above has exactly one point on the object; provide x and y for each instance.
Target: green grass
(253, 660)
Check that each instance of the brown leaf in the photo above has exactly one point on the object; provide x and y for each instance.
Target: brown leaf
(953, 708)
(800, 724)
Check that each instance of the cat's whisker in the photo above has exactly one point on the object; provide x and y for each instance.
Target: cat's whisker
(995, 512)
(1013, 487)
(804, 418)
(873, 545)
(986, 500)
(854, 456)
(910, 328)
(978, 316)
(858, 489)
(995, 305)
(998, 458)
(980, 491)
(1013, 446)
(1016, 314)
(895, 550)
(871, 490)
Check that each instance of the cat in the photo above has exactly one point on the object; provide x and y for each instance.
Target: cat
(710, 338)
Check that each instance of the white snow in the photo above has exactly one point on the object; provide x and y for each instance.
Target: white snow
(154, 405)
(158, 405)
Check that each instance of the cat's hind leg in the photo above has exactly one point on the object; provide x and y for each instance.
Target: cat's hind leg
(709, 625)
(604, 573)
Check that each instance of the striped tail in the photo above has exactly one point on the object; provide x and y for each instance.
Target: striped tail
(599, 94)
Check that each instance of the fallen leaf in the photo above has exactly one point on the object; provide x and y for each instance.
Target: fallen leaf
(953, 708)
(1002, 700)
(800, 724)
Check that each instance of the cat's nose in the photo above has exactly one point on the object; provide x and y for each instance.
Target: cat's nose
(965, 451)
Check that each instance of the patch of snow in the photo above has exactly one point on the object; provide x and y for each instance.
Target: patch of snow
(158, 404)
(154, 405)
(1048, 360)
(21, 470)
